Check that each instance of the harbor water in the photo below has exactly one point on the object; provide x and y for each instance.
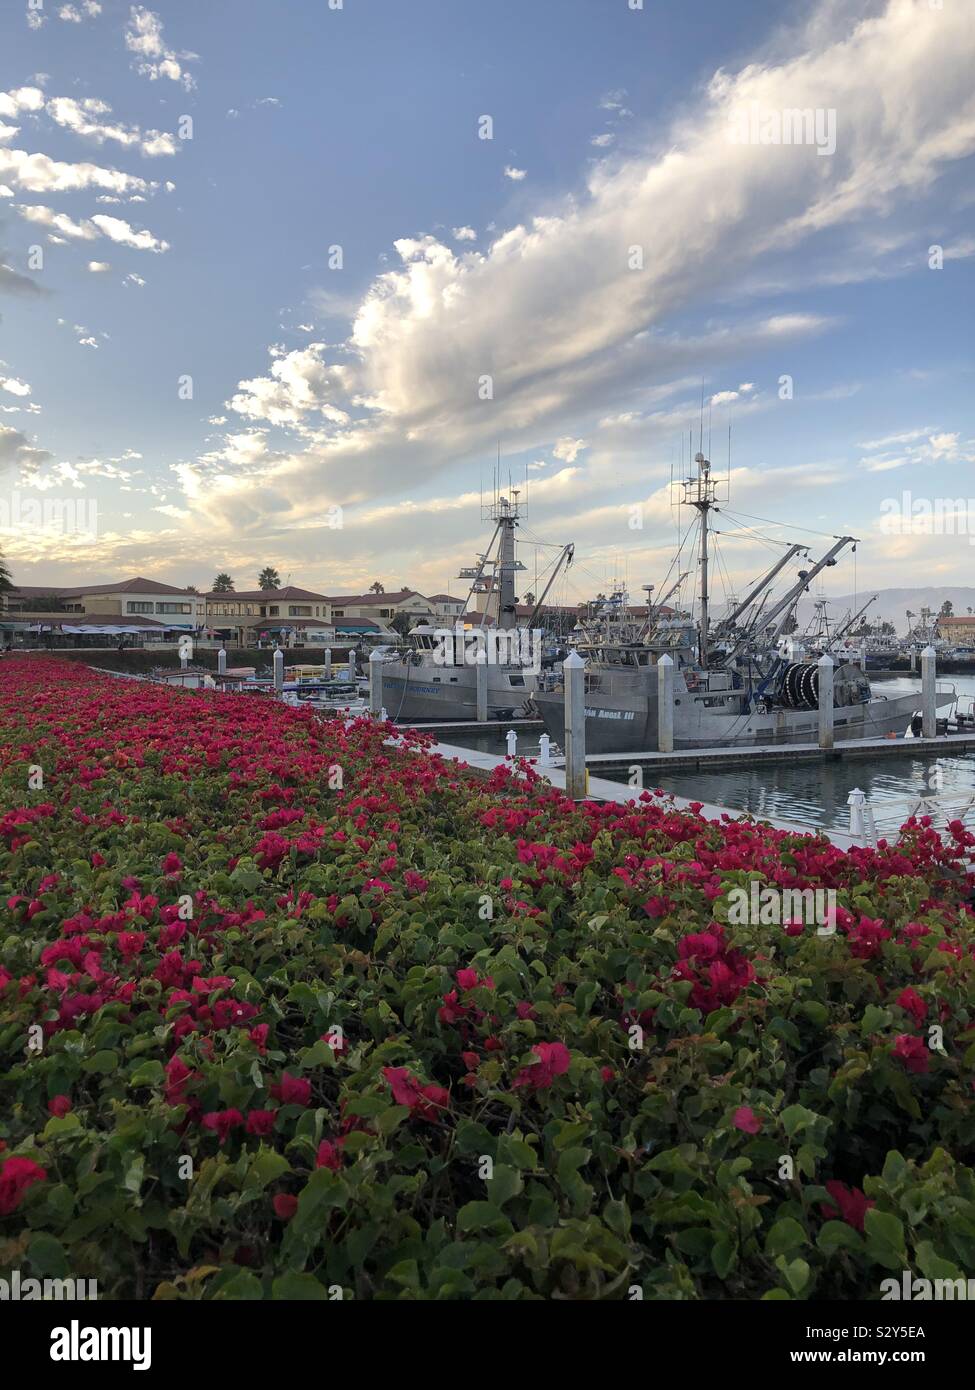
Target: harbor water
(807, 794)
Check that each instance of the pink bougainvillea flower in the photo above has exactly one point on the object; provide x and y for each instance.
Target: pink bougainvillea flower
(285, 1206)
(553, 1061)
(292, 1090)
(913, 1053)
(426, 1102)
(223, 1122)
(59, 1105)
(912, 1003)
(16, 1176)
(260, 1122)
(746, 1120)
(329, 1156)
(851, 1205)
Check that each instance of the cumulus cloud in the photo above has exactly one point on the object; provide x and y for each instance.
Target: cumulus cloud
(144, 38)
(510, 172)
(85, 118)
(548, 328)
(99, 267)
(464, 234)
(13, 386)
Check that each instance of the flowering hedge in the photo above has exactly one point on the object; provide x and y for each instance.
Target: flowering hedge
(286, 1011)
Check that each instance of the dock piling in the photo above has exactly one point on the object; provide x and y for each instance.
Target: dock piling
(544, 751)
(278, 670)
(929, 708)
(481, 672)
(327, 662)
(574, 682)
(511, 738)
(221, 662)
(665, 704)
(376, 684)
(825, 666)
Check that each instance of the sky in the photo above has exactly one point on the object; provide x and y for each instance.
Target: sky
(282, 280)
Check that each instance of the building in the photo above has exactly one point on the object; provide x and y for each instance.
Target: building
(958, 629)
(446, 608)
(381, 608)
(126, 598)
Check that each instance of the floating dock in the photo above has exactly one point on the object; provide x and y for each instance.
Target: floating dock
(706, 759)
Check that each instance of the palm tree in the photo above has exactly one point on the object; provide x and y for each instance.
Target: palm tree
(223, 584)
(6, 583)
(269, 578)
(947, 609)
(529, 597)
(377, 588)
(191, 589)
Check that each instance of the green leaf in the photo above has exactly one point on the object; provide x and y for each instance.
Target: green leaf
(303, 1287)
(242, 1286)
(785, 1235)
(837, 1235)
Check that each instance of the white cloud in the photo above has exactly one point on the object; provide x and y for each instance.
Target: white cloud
(464, 234)
(78, 13)
(99, 267)
(604, 140)
(37, 173)
(116, 229)
(568, 449)
(143, 37)
(22, 99)
(15, 387)
(8, 133)
(134, 279)
(82, 117)
(510, 172)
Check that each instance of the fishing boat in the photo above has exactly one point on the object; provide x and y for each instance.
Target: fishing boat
(435, 678)
(743, 681)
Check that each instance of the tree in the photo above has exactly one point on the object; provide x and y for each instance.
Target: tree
(377, 588)
(192, 589)
(223, 584)
(6, 583)
(529, 597)
(269, 578)
(947, 609)
(401, 623)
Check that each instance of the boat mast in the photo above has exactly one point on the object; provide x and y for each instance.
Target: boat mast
(506, 515)
(700, 493)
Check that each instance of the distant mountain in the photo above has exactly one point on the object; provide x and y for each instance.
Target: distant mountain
(892, 604)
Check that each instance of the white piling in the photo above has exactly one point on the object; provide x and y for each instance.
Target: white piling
(278, 670)
(544, 751)
(825, 666)
(511, 738)
(375, 683)
(855, 802)
(574, 684)
(665, 704)
(929, 707)
(327, 662)
(481, 673)
(221, 662)
(863, 658)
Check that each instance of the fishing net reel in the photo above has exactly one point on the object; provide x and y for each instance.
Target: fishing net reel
(800, 686)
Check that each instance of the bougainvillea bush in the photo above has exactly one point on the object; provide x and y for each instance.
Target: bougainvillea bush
(289, 1011)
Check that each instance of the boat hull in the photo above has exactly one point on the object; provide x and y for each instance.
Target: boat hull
(628, 723)
(415, 693)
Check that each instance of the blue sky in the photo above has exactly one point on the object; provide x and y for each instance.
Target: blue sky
(315, 388)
